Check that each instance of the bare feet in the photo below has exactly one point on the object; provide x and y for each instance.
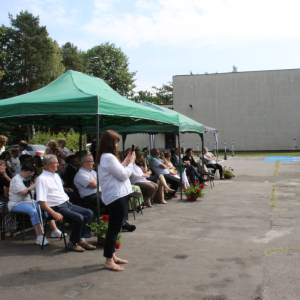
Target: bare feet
(163, 201)
(120, 261)
(205, 183)
(113, 267)
(148, 203)
(170, 191)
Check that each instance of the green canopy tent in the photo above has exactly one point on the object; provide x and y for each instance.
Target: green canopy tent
(186, 125)
(80, 101)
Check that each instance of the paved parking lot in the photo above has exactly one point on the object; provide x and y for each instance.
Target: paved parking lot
(240, 242)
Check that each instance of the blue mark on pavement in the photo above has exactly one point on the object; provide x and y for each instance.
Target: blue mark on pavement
(282, 159)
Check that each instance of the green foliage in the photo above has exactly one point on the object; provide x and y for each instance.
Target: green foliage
(29, 58)
(73, 58)
(14, 133)
(194, 192)
(72, 139)
(162, 95)
(228, 173)
(101, 229)
(109, 63)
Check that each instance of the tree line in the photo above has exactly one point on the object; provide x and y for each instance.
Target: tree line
(31, 59)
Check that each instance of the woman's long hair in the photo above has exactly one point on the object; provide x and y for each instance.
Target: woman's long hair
(107, 144)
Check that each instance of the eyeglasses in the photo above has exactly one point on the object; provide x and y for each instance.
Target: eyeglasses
(30, 173)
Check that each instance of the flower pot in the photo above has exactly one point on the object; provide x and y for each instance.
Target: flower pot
(101, 241)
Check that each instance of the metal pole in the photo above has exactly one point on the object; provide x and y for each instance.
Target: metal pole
(180, 165)
(80, 138)
(97, 146)
(202, 140)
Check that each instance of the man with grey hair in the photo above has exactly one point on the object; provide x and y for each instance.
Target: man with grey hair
(86, 180)
(52, 149)
(53, 199)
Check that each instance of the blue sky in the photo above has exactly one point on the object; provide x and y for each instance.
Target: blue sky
(163, 38)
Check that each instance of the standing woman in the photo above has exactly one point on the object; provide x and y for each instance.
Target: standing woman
(116, 188)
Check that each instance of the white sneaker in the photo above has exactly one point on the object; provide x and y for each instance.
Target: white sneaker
(57, 233)
(39, 241)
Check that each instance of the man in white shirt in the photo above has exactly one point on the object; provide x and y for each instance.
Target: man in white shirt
(86, 180)
(161, 166)
(52, 199)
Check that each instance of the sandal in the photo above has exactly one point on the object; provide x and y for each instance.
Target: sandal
(140, 208)
(163, 202)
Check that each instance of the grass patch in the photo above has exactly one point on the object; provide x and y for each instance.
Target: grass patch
(281, 250)
(277, 163)
(273, 196)
(260, 153)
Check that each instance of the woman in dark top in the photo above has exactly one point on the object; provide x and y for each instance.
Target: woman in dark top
(189, 157)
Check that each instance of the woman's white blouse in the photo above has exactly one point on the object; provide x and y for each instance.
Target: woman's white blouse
(137, 175)
(113, 178)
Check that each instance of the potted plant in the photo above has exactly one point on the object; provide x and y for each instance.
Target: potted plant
(100, 231)
(194, 192)
(228, 173)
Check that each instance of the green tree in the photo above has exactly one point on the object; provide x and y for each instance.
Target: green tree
(29, 53)
(109, 63)
(162, 95)
(57, 67)
(73, 58)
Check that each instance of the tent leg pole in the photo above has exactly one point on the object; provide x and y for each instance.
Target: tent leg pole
(202, 141)
(97, 145)
(80, 138)
(180, 165)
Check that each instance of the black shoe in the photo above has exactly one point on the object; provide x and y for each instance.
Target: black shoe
(128, 227)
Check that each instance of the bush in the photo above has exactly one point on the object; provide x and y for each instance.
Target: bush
(72, 138)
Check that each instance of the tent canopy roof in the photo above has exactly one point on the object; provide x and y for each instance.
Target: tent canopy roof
(186, 125)
(74, 100)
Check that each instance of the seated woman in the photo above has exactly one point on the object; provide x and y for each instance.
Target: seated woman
(10, 224)
(140, 163)
(52, 149)
(38, 163)
(63, 148)
(185, 182)
(210, 162)
(20, 201)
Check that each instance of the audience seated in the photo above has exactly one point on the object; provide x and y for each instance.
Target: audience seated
(161, 167)
(163, 188)
(141, 179)
(52, 149)
(210, 162)
(24, 158)
(70, 171)
(52, 198)
(79, 155)
(185, 182)
(3, 140)
(4, 178)
(9, 168)
(15, 162)
(190, 170)
(22, 148)
(63, 148)
(86, 180)
(38, 163)
(21, 201)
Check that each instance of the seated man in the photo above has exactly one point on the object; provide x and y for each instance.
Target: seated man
(70, 171)
(20, 201)
(24, 158)
(22, 148)
(15, 162)
(190, 170)
(63, 148)
(52, 199)
(161, 166)
(86, 180)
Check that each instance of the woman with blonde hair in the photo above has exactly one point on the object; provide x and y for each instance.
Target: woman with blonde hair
(116, 189)
(3, 140)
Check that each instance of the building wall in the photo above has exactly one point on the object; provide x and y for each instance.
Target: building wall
(258, 110)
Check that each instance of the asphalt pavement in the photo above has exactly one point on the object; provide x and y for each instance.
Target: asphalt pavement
(240, 242)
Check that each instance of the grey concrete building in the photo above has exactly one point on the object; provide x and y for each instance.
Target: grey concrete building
(258, 110)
